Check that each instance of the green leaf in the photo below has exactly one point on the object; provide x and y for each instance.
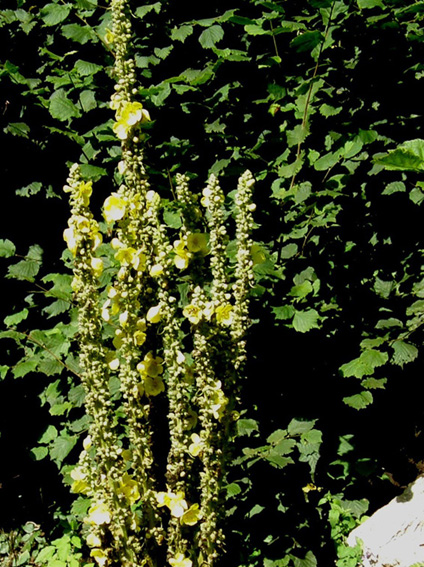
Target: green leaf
(416, 195)
(61, 447)
(394, 187)
(181, 33)
(7, 248)
(18, 129)
(367, 4)
(409, 156)
(247, 427)
(4, 369)
(24, 367)
(39, 453)
(364, 364)
(283, 312)
(211, 36)
(308, 561)
(31, 189)
(92, 171)
(307, 41)
(61, 108)
(86, 68)
(403, 352)
(49, 435)
(304, 321)
(359, 401)
(13, 320)
(300, 427)
(172, 219)
(254, 29)
(80, 34)
(87, 100)
(383, 288)
(143, 10)
(302, 290)
(24, 270)
(53, 14)
(289, 251)
(297, 135)
(277, 436)
(374, 383)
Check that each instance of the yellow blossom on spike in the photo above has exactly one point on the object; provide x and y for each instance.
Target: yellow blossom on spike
(193, 313)
(205, 200)
(87, 443)
(93, 540)
(114, 207)
(151, 366)
(182, 255)
(224, 314)
(97, 266)
(130, 114)
(118, 340)
(191, 516)
(219, 401)
(109, 37)
(71, 239)
(129, 488)
(96, 238)
(125, 255)
(156, 270)
(153, 386)
(177, 504)
(154, 314)
(83, 191)
(112, 360)
(99, 556)
(79, 485)
(197, 242)
(180, 561)
(98, 514)
(195, 448)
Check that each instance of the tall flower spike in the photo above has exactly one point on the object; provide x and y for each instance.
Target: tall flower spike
(99, 467)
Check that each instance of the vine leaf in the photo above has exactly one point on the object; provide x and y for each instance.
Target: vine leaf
(403, 353)
(359, 401)
(409, 156)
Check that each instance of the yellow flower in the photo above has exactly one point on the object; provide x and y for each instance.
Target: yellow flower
(156, 270)
(79, 485)
(87, 443)
(191, 516)
(151, 366)
(114, 207)
(257, 253)
(196, 446)
(205, 200)
(99, 556)
(84, 190)
(219, 401)
(97, 267)
(153, 386)
(224, 314)
(112, 360)
(118, 339)
(71, 238)
(154, 314)
(182, 256)
(175, 502)
(180, 561)
(197, 242)
(125, 255)
(93, 540)
(129, 488)
(98, 514)
(109, 37)
(130, 114)
(193, 313)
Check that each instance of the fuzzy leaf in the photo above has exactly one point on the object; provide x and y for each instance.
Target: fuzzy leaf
(409, 156)
(61, 447)
(13, 320)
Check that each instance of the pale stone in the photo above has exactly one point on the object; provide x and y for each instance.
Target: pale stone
(394, 535)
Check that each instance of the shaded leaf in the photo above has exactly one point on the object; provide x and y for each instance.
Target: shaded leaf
(359, 401)
(304, 321)
(403, 352)
(7, 248)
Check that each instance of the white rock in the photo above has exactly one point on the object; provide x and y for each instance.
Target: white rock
(394, 535)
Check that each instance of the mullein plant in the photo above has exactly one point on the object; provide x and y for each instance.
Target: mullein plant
(137, 330)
